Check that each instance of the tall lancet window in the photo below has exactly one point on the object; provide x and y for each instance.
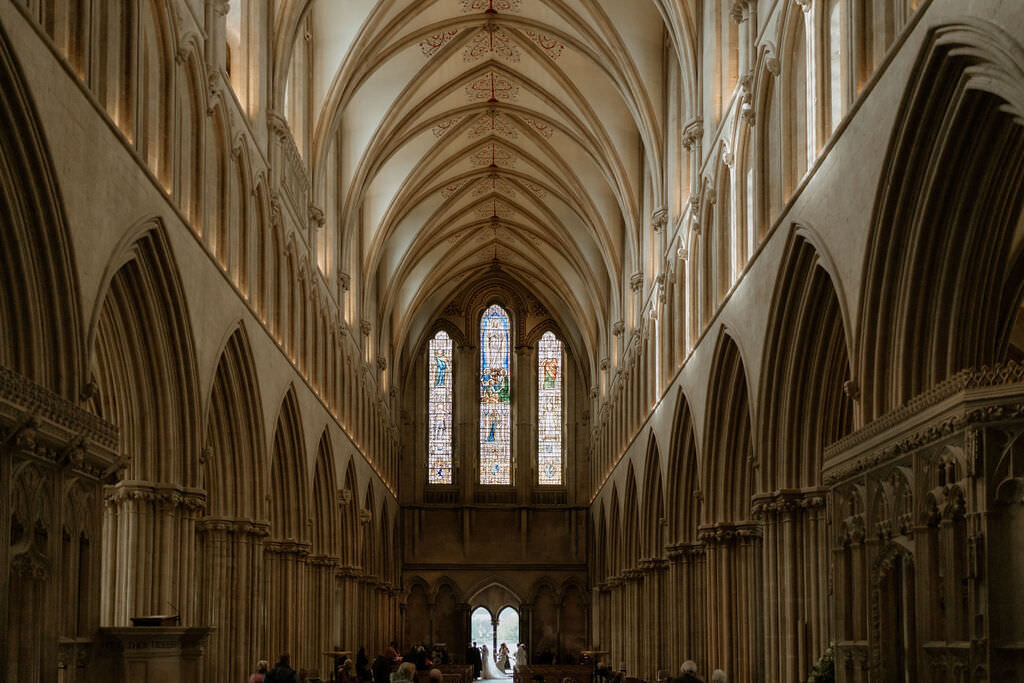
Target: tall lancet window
(495, 392)
(440, 383)
(549, 410)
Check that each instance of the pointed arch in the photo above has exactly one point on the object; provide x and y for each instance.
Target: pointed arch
(143, 360)
(235, 451)
(944, 266)
(350, 518)
(143, 364)
(40, 319)
(615, 563)
(367, 516)
(630, 522)
(728, 449)
(287, 472)
(653, 534)
(230, 534)
(796, 102)
(683, 476)
(807, 365)
(326, 520)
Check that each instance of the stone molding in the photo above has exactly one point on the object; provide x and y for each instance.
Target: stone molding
(169, 495)
(970, 378)
(726, 533)
(288, 547)
(930, 433)
(243, 527)
(59, 419)
(789, 500)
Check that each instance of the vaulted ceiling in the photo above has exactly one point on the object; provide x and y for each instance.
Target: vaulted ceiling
(467, 131)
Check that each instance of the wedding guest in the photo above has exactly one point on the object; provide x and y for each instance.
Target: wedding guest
(261, 672)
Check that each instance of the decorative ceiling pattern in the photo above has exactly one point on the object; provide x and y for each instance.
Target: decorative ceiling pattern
(543, 118)
(490, 6)
(552, 48)
(493, 123)
(491, 42)
(493, 88)
(493, 155)
(431, 45)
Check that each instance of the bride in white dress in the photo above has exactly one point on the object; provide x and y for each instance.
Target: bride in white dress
(490, 670)
(521, 658)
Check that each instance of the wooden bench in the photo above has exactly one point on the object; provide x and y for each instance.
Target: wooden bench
(554, 673)
(452, 673)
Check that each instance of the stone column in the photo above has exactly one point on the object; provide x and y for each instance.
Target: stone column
(347, 605)
(525, 411)
(150, 531)
(656, 629)
(285, 590)
(526, 628)
(231, 597)
(467, 417)
(733, 600)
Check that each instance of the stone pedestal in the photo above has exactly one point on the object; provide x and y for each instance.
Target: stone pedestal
(151, 654)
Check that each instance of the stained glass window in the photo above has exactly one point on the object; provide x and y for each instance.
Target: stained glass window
(440, 383)
(495, 404)
(549, 409)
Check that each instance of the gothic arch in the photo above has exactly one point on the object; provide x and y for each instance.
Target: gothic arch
(349, 528)
(230, 535)
(653, 536)
(446, 583)
(731, 539)
(728, 448)
(367, 516)
(630, 522)
(326, 521)
(944, 267)
(544, 583)
(769, 177)
(289, 491)
(614, 540)
(806, 406)
(683, 476)
(234, 457)
(40, 318)
(143, 364)
(795, 138)
(143, 359)
(805, 396)
(417, 612)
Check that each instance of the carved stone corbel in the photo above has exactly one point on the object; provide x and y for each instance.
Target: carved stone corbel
(692, 133)
(659, 219)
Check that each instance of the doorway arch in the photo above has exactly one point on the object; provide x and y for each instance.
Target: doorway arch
(500, 605)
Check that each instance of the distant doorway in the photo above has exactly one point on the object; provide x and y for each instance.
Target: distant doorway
(482, 627)
(507, 634)
(495, 632)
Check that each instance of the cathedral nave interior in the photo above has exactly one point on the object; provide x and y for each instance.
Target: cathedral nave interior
(658, 330)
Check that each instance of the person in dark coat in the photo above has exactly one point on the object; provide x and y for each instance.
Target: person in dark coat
(382, 668)
(473, 657)
(282, 672)
(363, 665)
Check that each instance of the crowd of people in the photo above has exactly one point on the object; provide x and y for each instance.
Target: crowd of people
(499, 665)
(687, 674)
(485, 666)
